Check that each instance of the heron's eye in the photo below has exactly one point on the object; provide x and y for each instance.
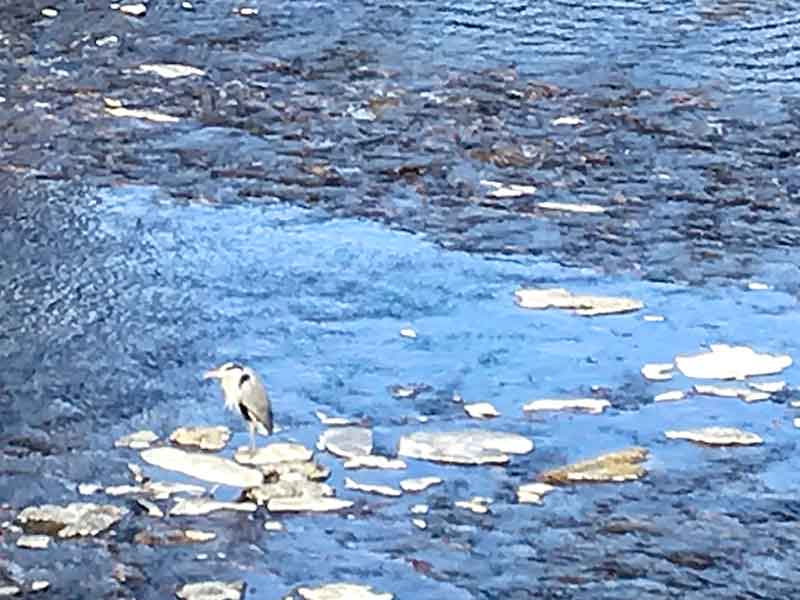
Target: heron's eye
(243, 379)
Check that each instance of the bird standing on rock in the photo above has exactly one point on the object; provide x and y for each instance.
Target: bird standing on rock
(244, 393)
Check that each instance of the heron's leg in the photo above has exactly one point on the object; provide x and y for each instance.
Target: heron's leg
(252, 427)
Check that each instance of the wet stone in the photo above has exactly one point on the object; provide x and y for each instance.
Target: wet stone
(138, 440)
(670, 396)
(162, 490)
(135, 10)
(73, 520)
(590, 405)
(346, 442)
(205, 438)
(171, 70)
(381, 490)
(296, 470)
(419, 484)
(307, 504)
(532, 493)
(577, 207)
(477, 504)
(342, 591)
(89, 489)
(622, 465)
(743, 393)
(302, 488)
(36, 542)
(211, 590)
(657, 371)
(373, 461)
(716, 436)
(203, 506)
(731, 362)
(202, 466)
(151, 507)
(39, 585)
(510, 190)
(9, 590)
(464, 447)
(588, 306)
(144, 115)
(481, 410)
(273, 454)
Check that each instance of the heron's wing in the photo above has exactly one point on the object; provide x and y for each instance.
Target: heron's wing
(254, 398)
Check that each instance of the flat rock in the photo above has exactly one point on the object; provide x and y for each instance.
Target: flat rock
(138, 440)
(145, 115)
(716, 436)
(9, 590)
(590, 405)
(407, 332)
(464, 447)
(173, 537)
(381, 490)
(302, 488)
(374, 461)
(477, 504)
(214, 469)
(507, 190)
(481, 410)
(570, 120)
(273, 454)
(576, 207)
(346, 442)
(35, 542)
(342, 591)
(135, 10)
(171, 70)
(211, 590)
(205, 438)
(622, 465)
(296, 470)
(332, 421)
(274, 526)
(193, 507)
(743, 393)
(419, 484)
(770, 387)
(73, 520)
(532, 493)
(657, 371)
(307, 504)
(39, 585)
(587, 306)
(162, 490)
(670, 396)
(731, 362)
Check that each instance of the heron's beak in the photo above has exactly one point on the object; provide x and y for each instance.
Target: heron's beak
(212, 374)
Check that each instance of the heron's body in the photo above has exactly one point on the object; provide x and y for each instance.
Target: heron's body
(244, 393)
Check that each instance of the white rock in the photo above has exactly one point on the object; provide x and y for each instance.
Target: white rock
(205, 438)
(36, 542)
(39, 585)
(591, 209)
(246, 11)
(532, 493)
(510, 190)
(195, 535)
(419, 484)
(187, 5)
(590, 405)
(136, 472)
(568, 120)
(769, 387)
(716, 436)
(171, 70)
(587, 306)
(653, 318)
(731, 362)
(796, 422)
(9, 590)
(146, 115)
(478, 505)
(211, 590)
(407, 332)
(88, 489)
(481, 410)
(346, 442)
(203, 506)
(274, 526)
(50, 13)
(113, 103)
(108, 40)
(374, 461)
(162, 490)
(307, 504)
(657, 371)
(403, 391)
(419, 509)
(342, 591)
(742, 393)
(203, 466)
(151, 507)
(332, 421)
(381, 490)
(757, 286)
(122, 490)
(134, 10)
(419, 523)
(464, 447)
(272, 454)
(669, 396)
(75, 519)
(138, 440)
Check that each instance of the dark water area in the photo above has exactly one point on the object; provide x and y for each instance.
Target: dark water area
(319, 191)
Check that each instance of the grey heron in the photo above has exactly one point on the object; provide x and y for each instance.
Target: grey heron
(244, 393)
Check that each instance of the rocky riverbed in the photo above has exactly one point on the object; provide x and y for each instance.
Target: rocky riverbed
(526, 304)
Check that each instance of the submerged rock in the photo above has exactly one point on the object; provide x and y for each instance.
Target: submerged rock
(590, 405)
(381, 490)
(138, 440)
(202, 466)
(73, 520)
(273, 454)
(657, 371)
(587, 306)
(481, 410)
(731, 362)
(716, 436)
(373, 461)
(205, 438)
(464, 447)
(419, 484)
(342, 591)
(307, 504)
(203, 506)
(211, 590)
(346, 442)
(742, 393)
(532, 493)
(622, 465)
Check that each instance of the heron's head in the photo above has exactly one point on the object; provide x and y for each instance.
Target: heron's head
(228, 371)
